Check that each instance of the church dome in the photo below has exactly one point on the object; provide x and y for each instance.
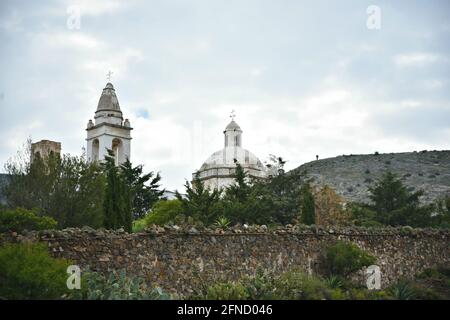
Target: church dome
(227, 156)
(218, 170)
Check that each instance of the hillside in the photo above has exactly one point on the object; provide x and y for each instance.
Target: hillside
(350, 175)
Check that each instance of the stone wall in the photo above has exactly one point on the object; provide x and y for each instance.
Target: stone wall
(179, 260)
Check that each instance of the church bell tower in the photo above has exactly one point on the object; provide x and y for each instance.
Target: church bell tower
(109, 130)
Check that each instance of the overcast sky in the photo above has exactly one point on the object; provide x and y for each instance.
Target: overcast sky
(304, 77)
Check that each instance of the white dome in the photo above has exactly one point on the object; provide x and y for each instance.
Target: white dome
(227, 156)
(218, 171)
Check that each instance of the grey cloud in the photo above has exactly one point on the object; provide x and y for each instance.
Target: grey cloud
(177, 62)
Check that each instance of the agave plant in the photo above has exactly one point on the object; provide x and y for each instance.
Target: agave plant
(402, 291)
(334, 282)
(222, 222)
(117, 286)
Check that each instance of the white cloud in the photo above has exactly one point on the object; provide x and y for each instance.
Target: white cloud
(410, 104)
(433, 84)
(109, 59)
(415, 59)
(180, 68)
(12, 22)
(67, 39)
(327, 98)
(257, 72)
(88, 54)
(97, 7)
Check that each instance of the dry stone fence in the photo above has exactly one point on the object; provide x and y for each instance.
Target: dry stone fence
(181, 259)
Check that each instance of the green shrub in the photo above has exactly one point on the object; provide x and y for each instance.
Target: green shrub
(298, 286)
(363, 216)
(291, 285)
(260, 286)
(434, 273)
(164, 211)
(222, 222)
(307, 209)
(338, 294)
(227, 291)
(381, 295)
(342, 259)
(139, 225)
(402, 290)
(364, 294)
(116, 286)
(21, 219)
(28, 272)
(295, 285)
(334, 282)
(432, 284)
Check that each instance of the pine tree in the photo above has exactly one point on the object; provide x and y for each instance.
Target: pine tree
(116, 206)
(241, 189)
(281, 191)
(144, 189)
(308, 215)
(395, 205)
(200, 203)
(390, 194)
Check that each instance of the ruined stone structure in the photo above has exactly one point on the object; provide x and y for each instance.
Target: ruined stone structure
(180, 259)
(109, 131)
(218, 171)
(44, 148)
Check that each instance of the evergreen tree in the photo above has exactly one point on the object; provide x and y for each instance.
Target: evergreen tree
(69, 189)
(307, 214)
(263, 201)
(200, 203)
(144, 188)
(241, 189)
(243, 202)
(442, 217)
(395, 205)
(117, 203)
(390, 194)
(282, 190)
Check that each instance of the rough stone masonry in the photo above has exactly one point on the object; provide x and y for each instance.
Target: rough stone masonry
(182, 259)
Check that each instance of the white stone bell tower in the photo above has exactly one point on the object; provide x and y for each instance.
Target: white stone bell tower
(109, 131)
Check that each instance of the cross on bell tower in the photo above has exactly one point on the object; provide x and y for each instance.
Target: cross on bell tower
(109, 75)
(232, 115)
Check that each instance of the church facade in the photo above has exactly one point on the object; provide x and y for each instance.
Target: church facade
(218, 171)
(109, 129)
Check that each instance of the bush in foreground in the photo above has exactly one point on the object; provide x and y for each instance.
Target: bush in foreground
(28, 272)
(115, 286)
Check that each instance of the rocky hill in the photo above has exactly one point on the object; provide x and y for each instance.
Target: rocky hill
(351, 175)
